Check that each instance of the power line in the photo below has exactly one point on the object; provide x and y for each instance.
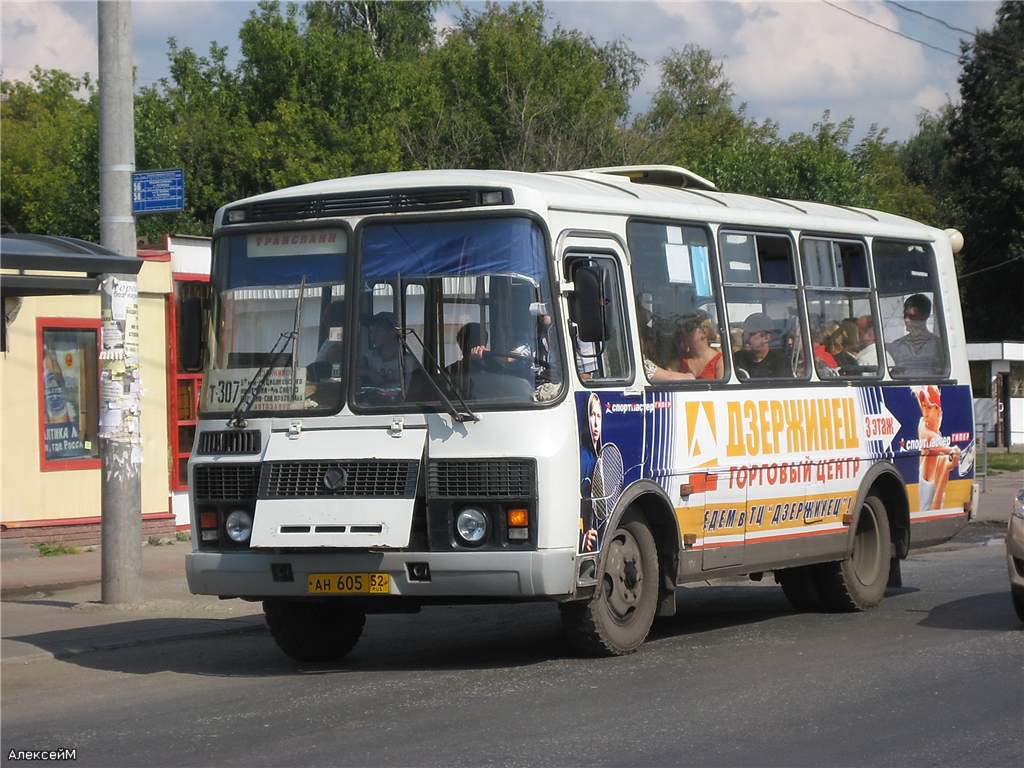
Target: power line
(994, 266)
(891, 30)
(943, 22)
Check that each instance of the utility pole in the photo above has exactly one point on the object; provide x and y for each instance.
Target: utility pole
(120, 380)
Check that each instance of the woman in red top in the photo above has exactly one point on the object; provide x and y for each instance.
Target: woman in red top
(699, 357)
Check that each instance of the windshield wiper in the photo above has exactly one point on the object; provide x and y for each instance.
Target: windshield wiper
(259, 380)
(466, 414)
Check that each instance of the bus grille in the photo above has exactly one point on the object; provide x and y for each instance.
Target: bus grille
(229, 442)
(364, 203)
(225, 482)
(339, 479)
(482, 479)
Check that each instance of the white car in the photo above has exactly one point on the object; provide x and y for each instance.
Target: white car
(1015, 552)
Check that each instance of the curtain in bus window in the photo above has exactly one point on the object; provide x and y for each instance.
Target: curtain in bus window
(466, 247)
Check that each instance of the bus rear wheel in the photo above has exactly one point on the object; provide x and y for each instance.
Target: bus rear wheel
(314, 632)
(800, 585)
(858, 582)
(616, 620)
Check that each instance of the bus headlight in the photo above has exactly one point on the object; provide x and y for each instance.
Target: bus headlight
(239, 526)
(471, 525)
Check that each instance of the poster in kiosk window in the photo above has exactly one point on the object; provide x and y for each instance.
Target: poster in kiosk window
(62, 374)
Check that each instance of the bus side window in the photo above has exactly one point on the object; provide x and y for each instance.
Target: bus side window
(911, 315)
(843, 327)
(607, 361)
(675, 281)
(766, 333)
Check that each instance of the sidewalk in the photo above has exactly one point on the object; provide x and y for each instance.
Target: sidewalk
(51, 605)
(994, 504)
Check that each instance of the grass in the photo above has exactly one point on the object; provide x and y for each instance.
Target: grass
(51, 549)
(158, 541)
(1005, 461)
(183, 536)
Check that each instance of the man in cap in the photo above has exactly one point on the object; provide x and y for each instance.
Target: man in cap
(760, 358)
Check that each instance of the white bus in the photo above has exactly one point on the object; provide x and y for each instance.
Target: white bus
(587, 387)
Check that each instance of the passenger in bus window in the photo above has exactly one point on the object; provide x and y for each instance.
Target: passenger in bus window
(698, 356)
(842, 340)
(472, 341)
(533, 350)
(760, 357)
(846, 344)
(919, 352)
(736, 338)
(655, 373)
(824, 363)
(867, 357)
(382, 364)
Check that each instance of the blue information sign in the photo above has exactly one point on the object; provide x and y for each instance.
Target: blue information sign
(158, 191)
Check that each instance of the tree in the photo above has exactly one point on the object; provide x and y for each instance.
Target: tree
(925, 160)
(396, 31)
(691, 120)
(50, 159)
(987, 158)
(502, 92)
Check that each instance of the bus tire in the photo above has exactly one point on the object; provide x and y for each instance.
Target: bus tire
(858, 582)
(800, 585)
(314, 632)
(616, 620)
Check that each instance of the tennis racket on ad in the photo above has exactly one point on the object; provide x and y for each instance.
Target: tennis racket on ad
(606, 484)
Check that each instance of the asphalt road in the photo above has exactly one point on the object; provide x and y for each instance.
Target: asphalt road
(935, 676)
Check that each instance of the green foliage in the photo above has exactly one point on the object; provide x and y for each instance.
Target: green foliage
(925, 160)
(986, 140)
(50, 158)
(502, 92)
(1006, 462)
(52, 549)
(332, 89)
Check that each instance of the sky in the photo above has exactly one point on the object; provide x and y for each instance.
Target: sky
(788, 61)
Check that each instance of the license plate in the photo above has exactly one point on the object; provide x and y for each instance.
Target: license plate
(348, 583)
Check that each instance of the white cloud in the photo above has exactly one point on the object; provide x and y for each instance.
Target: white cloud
(47, 35)
(444, 22)
(706, 24)
(792, 51)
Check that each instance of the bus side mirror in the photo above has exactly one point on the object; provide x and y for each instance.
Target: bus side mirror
(190, 335)
(590, 302)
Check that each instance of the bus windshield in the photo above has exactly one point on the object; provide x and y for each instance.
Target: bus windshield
(279, 304)
(463, 306)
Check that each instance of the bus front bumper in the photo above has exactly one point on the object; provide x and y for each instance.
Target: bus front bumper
(254, 574)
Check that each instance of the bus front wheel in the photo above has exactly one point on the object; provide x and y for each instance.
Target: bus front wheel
(314, 632)
(859, 581)
(616, 620)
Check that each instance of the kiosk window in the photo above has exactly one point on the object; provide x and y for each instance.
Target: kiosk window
(69, 400)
